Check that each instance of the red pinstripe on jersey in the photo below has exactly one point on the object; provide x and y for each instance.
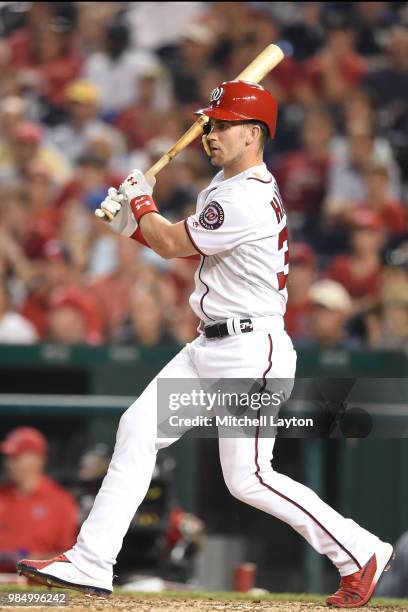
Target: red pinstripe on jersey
(274, 491)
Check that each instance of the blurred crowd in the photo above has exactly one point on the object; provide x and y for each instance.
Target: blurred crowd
(87, 95)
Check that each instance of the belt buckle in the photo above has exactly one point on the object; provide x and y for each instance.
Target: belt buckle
(246, 326)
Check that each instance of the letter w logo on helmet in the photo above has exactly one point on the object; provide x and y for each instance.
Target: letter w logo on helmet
(216, 94)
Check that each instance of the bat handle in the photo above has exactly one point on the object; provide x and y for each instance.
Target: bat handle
(195, 130)
(159, 165)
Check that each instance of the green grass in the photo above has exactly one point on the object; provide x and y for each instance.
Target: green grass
(219, 595)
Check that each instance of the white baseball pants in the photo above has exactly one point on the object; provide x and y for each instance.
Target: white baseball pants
(246, 462)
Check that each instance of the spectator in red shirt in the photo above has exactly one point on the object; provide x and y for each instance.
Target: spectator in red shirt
(59, 288)
(140, 122)
(36, 514)
(379, 199)
(73, 317)
(44, 52)
(302, 275)
(89, 184)
(361, 271)
(337, 69)
(112, 290)
(302, 174)
(43, 218)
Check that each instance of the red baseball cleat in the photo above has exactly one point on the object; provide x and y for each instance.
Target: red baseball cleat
(60, 572)
(356, 590)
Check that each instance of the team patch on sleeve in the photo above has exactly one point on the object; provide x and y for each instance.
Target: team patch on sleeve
(212, 216)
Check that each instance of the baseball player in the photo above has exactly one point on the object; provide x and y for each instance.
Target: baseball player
(239, 232)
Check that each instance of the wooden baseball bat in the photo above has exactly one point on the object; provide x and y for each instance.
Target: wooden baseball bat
(268, 59)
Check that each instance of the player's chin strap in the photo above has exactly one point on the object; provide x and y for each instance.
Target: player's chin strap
(206, 146)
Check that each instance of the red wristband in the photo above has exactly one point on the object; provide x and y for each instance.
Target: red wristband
(138, 236)
(142, 205)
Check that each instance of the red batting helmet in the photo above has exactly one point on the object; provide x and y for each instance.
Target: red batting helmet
(242, 101)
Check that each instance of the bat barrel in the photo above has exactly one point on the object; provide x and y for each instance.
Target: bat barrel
(262, 64)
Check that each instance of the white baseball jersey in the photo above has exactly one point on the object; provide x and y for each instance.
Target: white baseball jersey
(239, 229)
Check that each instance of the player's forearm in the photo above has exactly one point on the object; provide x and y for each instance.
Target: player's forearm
(167, 239)
(138, 236)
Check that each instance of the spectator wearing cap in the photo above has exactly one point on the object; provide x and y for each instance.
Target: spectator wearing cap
(59, 290)
(391, 211)
(361, 271)
(27, 145)
(330, 311)
(56, 271)
(73, 317)
(36, 514)
(82, 101)
(302, 261)
(14, 328)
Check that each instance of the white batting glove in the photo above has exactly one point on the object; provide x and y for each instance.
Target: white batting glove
(137, 184)
(116, 211)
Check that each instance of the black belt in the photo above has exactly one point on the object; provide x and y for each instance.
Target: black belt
(220, 330)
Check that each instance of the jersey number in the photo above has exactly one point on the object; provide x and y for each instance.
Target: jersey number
(282, 238)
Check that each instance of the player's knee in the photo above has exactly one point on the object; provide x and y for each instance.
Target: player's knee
(238, 486)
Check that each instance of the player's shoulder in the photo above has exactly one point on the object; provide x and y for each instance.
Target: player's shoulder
(260, 181)
(254, 180)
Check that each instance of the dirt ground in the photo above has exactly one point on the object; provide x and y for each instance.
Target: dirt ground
(122, 603)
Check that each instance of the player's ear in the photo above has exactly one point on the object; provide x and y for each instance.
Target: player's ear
(252, 132)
